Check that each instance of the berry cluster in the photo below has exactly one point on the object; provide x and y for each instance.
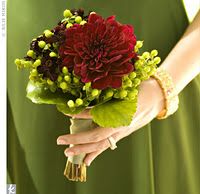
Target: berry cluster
(43, 58)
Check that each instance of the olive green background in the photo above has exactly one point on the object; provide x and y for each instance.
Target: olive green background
(161, 158)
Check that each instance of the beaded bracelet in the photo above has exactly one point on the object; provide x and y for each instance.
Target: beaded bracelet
(169, 92)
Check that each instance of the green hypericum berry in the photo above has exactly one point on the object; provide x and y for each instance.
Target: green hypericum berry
(157, 60)
(138, 64)
(52, 88)
(34, 72)
(83, 22)
(75, 80)
(154, 53)
(22, 62)
(52, 54)
(48, 33)
(73, 92)
(67, 13)
(152, 72)
(123, 93)
(18, 62)
(128, 83)
(150, 63)
(27, 64)
(95, 92)
(145, 77)
(132, 94)
(31, 53)
(146, 55)
(31, 77)
(41, 44)
(55, 45)
(125, 77)
(59, 79)
(116, 95)
(79, 101)
(135, 91)
(78, 19)
(63, 85)
(147, 69)
(71, 104)
(65, 70)
(67, 78)
(109, 94)
(139, 44)
(69, 25)
(88, 86)
(47, 46)
(136, 81)
(132, 75)
(49, 82)
(37, 63)
(143, 71)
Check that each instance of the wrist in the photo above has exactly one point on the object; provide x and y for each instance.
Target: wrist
(151, 90)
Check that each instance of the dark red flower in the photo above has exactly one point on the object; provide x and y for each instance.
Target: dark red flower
(100, 51)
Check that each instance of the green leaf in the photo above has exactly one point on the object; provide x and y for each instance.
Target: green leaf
(66, 110)
(40, 94)
(114, 113)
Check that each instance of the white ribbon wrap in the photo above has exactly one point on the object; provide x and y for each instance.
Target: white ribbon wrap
(77, 126)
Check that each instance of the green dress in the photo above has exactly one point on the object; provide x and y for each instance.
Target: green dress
(161, 158)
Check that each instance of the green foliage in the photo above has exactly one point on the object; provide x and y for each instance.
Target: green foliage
(40, 94)
(114, 113)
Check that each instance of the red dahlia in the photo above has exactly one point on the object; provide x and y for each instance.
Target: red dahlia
(100, 51)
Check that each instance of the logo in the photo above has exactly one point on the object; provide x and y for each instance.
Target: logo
(11, 189)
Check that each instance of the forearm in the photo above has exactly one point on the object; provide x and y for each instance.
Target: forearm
(183, 62)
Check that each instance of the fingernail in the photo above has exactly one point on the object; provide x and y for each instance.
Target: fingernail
(69, 153)
(88, 163)
(60, 142)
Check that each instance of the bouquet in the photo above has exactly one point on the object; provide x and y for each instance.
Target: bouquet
(88, 62)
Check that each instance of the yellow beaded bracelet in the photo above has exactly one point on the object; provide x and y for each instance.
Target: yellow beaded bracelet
(169, 92)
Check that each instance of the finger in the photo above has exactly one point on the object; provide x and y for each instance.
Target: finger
(87, 148)
(90, 157)
(89, 136)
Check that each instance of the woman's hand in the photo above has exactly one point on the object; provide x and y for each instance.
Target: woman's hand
(94, 142)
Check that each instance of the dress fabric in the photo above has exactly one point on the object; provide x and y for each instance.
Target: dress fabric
(160, 158)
